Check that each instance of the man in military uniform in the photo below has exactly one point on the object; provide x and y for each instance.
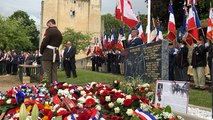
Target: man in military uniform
(49, 50)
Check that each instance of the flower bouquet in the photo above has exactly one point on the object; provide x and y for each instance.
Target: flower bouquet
(95, 101)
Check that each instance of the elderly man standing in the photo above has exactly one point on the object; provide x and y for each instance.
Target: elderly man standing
(49, 50)
(69, 60)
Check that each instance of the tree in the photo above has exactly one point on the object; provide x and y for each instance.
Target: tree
(13, 36)
(110, 22)
(79, 40)
(29, 25)
(160, 9)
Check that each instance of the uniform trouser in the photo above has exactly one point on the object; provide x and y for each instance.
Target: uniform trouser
(1, 67)
(199, 76)
(50, 69)
(181, 74)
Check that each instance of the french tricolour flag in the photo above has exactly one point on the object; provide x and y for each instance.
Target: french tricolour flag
(96, 115)
(171, 25)
(144, 115)
(140, 30)
(70, 117)
(193, 23)
(209, 33)
(159, 33)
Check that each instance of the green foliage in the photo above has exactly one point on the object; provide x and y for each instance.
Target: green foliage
(29, 25)
(79, 40)
(13, 36)
(110, 22)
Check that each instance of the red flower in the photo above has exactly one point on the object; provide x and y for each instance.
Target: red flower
(127, 102)
(105, 93)
(53, 91)
(83, 116)
(119, 95)
(9, 94)
(41, 77)
(135, 98)
(62, 112)
(102, 100)
(145, 100)
(13, 101)
(172, 119)
(1, 102)
(90, 102)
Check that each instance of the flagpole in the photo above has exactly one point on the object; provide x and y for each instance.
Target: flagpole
(149, 20)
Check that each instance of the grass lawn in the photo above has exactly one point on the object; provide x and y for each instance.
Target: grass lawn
(85, 76)
(196, 97)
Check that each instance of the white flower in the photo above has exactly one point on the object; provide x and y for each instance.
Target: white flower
(117, 110)
(114, 90)
(128, 97)
(167, 115)
(98, 107)
(80, 88)
(111, 105)
(108, 98)
(46, 102)
(120, 101)
(101, 91)
(81, 100)
(146, 89)
(72, 91)
(146, 85)
(83, 92)
(80, 105)
(129, 112)
(115, 81)
(145, 107)
(65, 84)
(102, 118)
(55, 107)
(8, 101)
(3, 98)
(119, 91)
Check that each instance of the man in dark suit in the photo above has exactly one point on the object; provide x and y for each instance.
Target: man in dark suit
(135, 39)
(69, 60)
(181, 62)
(49, 50)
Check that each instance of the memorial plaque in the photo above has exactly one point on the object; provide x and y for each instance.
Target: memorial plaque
(147, 62)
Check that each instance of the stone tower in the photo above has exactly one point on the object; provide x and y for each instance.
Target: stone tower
(81, 15)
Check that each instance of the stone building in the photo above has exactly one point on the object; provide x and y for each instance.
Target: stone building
(81, 15)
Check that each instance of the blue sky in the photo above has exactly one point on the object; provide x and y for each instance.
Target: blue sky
(33, 7)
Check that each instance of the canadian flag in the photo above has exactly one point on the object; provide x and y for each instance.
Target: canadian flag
(127, 14)
(171, 25)
(209, 33)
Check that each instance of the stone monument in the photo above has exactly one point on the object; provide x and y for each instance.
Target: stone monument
(147, 62)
